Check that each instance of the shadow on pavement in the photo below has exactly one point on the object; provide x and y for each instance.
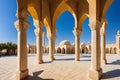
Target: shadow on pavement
(67, 59)
(86, 60)
(47, 62)
(36, 76)
(111, 74)
(117, 62)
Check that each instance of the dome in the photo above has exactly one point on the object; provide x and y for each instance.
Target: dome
(65, 42)
(83, 44)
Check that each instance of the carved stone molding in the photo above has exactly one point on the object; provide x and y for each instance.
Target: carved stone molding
(38, 31)
(95, 25)
(24, 14)
(51, 37)
(21, 25)
(77, 32)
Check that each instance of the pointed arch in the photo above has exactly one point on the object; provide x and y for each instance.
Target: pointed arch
(106, 6)
(58, 50)
(82, 19)
(33, 11)
(59, 10)
(47, 24)
(63, 50)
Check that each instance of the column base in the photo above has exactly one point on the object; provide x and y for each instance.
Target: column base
(39, 62)
(77, 59)
(104, 61)
(95, 75)
(21, 74)
(51, 59)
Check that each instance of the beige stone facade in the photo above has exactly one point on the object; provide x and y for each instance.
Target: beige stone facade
(65, 47)
(45, 13)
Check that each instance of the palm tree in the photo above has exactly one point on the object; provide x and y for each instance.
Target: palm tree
(14, 48)
(8, 47)
(2, 46)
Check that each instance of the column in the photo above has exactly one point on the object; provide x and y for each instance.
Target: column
(22, 25)
(77, 33)
(51, 38)
(95, 69)
(39, 48)
(103, 43)
(43, 42)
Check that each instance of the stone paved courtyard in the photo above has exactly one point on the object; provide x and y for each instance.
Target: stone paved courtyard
(63, 68)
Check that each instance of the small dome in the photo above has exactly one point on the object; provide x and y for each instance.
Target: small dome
(64, 42)
(83, 44)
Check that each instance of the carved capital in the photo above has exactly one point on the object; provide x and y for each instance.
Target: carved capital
(77, 32)
(103, 29)
(23, 14)
(21, 25)
(38, 24)
(102, 32)
(95, 25)
(38, 31)
(104, 21)
(51, 37)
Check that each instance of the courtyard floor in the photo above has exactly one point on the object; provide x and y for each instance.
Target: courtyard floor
(63, 68)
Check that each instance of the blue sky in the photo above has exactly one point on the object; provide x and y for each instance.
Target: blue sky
(65, 25)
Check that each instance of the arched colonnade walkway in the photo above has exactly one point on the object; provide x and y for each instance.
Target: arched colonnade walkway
(45, 13)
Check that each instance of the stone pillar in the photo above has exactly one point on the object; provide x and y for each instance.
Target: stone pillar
(95, 69)
(39, 32)
(77, 33)
(103, 43)
(51, 46)
(22, 25)
(43, 42)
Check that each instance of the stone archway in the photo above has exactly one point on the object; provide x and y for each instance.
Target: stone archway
(107, 50)
(115, 50)
(58, 50)
(111, 50)
(63, 50)
(72, 50)
(59, 10)
(47, 13)
(83, 51)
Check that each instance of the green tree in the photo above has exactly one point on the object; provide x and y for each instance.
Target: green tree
(14, 48)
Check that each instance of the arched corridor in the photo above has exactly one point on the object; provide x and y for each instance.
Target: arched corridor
(45, 13)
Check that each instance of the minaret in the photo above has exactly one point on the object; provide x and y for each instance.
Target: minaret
(118, 42)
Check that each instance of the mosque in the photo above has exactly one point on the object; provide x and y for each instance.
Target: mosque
(65, 47)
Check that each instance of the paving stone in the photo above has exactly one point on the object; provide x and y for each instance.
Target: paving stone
(61, 69)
